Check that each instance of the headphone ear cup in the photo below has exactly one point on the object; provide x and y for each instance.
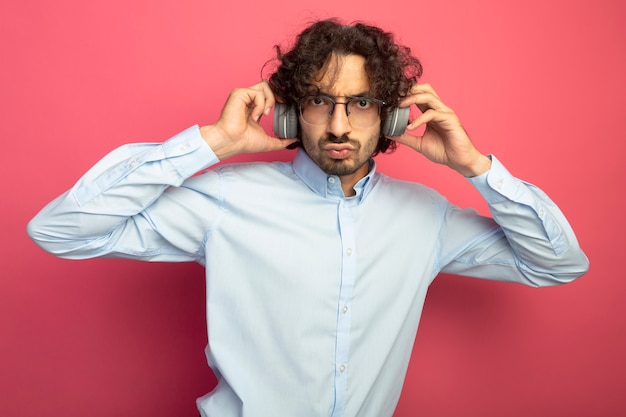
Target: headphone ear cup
(396, 122)
(285, 121)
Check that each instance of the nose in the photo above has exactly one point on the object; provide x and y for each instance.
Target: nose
(339, 124)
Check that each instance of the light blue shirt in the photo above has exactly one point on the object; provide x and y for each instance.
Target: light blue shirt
(313, 299)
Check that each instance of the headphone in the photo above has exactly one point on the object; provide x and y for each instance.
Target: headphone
(286, 121)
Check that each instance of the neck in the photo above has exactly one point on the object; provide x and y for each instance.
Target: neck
(348, 181)
(348, 188)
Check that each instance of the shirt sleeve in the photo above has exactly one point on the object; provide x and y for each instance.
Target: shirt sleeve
(529, 240)
(109, 210)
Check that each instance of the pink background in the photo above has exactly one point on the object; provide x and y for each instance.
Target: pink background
(539, 83)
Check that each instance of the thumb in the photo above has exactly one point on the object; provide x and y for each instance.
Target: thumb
(414, 142)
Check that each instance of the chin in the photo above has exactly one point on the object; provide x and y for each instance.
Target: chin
(340, 167)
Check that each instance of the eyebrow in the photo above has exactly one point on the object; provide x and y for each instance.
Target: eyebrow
(365, 94)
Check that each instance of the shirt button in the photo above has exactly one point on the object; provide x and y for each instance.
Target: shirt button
(331, 180)
(184, 147)
(499, 184)
(344, 309)
(349, 251)
(132, 164)
(342, 368)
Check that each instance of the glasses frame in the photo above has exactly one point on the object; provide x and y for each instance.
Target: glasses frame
(349, 99)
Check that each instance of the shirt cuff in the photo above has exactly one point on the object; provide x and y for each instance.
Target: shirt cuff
(189, 144)
(498, 184)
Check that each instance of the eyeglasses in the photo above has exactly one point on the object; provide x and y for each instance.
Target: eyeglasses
(362, 112)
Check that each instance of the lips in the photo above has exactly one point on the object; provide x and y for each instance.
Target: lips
(339, 150)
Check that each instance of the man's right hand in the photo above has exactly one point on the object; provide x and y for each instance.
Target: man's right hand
(238, 129)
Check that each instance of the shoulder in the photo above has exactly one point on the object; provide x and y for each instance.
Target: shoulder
(254, 167)
(409, 195)
(249, 173)
(385, 183)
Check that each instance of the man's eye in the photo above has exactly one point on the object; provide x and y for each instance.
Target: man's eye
(318, 101)
(363, 103)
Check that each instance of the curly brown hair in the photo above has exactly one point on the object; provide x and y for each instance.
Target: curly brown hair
(391, 68)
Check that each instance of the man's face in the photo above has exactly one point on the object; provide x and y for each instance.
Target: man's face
(337, 147)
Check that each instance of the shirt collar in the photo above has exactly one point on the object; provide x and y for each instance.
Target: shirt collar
(329, 186)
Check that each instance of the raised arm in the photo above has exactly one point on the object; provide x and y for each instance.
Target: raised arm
(132, 203)
(533, 243)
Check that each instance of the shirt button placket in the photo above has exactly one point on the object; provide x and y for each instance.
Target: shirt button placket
(348, 274)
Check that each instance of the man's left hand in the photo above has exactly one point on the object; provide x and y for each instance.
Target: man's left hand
(444, 140)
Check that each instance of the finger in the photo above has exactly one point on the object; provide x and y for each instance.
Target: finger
(285, 143)
(267, 93)
(424, 97)
(423, 88)
(272, 143)
(254, 99)
(256, 103)
(411, 141)
(428, 116)
(425, 101)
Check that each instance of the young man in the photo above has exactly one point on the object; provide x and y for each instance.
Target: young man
(316, 270)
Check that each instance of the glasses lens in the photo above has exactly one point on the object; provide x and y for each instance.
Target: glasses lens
(362, 112)
(316, 110)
